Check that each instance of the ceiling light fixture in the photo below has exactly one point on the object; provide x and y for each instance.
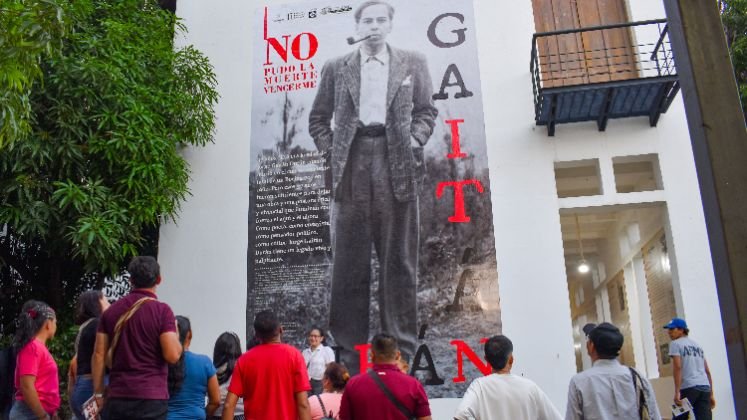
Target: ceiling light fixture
(583, 267)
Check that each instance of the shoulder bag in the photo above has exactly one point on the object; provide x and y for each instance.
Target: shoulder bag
(397, 403)
(643, 413)
(121, 322)
(325, 415)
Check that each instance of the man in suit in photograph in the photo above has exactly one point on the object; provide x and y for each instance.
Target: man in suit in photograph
(380, 99)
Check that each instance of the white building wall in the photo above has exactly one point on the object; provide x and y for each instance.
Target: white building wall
(692, 270)
(203, 254)
(525, 208)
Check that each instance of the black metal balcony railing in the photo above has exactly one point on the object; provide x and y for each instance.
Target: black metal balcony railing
(603, 72)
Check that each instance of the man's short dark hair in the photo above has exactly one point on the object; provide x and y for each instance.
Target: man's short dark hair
(385, 346)
(266, 325)
(497, 350)
(144, 272)
(359, 11)
(607, 340)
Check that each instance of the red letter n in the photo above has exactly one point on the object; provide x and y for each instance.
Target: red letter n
(281, 50)
(463, 349)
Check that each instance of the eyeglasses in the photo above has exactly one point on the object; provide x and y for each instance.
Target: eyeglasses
(314, 336)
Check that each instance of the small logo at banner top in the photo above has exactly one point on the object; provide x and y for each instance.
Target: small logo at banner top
(334, 10)
(295, 15)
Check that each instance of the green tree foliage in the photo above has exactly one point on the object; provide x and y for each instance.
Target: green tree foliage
(28, 29)
(734, 18)
(101, 163)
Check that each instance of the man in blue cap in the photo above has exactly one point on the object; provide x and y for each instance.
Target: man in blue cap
(692, 378)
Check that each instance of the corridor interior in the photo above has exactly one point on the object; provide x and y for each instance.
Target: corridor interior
(619, 270)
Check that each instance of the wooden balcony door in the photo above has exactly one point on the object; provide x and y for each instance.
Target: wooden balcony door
(588, 57)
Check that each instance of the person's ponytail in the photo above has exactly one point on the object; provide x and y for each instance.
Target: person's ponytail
(177, 371)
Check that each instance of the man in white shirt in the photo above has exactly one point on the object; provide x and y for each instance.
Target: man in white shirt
(502, 395)
(608, 390)
(380, 98)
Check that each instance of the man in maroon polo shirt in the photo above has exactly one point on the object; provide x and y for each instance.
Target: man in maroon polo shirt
(364, 399)
(148, 342)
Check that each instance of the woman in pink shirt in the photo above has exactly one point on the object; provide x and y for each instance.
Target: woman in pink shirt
(328, 402)
(36, 382)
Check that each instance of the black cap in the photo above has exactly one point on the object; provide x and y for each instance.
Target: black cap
(588, 327)
(607, 338)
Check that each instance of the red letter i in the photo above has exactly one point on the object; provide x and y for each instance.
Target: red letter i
(456, 151)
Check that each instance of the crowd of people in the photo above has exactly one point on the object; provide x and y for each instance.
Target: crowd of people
(133, 361)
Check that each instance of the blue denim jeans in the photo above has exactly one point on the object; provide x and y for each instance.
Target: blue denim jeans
(82, 391)
(21, 411)
(700, 399)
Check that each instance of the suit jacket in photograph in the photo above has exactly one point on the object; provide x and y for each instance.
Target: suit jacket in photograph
(410, 114)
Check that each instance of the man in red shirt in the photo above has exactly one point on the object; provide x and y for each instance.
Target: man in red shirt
(271, 377)
(366, 397)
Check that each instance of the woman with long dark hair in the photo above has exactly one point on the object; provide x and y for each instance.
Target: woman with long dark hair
(36, 382)
(327, 404)
(91, 304)
(226, 352)
(190, 379)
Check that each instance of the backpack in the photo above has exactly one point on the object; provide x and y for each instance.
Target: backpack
(7, 375)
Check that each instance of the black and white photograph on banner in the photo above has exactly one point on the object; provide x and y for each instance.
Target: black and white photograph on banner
(369, 204)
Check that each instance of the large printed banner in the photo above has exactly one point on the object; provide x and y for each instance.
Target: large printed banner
(370, 201)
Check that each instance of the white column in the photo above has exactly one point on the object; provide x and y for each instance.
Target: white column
(605, 314)
(631, 295)
(646, 322)
(607, 176)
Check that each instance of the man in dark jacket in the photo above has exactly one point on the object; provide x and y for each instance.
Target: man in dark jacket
(380, 100)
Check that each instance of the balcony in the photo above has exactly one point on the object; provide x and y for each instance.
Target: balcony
(603, 72)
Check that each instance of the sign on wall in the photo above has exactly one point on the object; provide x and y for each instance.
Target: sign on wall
(370, 201)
